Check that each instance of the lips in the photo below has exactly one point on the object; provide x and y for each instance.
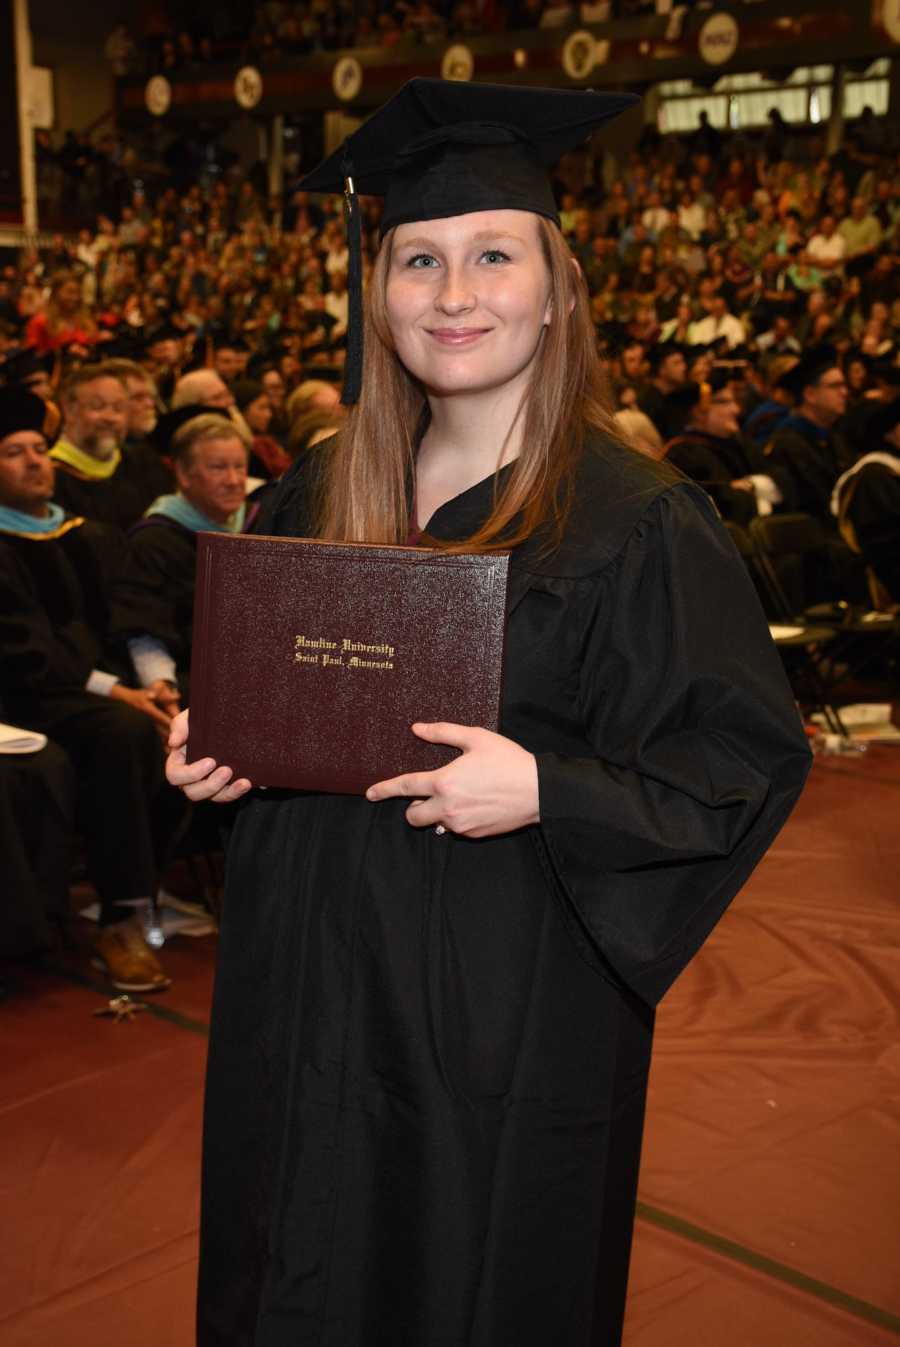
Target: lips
(457, 336)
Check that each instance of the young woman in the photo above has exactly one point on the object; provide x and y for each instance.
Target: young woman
(434, 1004)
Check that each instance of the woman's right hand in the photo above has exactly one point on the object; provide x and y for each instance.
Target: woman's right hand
(201, 780)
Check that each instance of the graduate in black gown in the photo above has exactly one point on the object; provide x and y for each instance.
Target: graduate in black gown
(866, 499)
(434, 1004)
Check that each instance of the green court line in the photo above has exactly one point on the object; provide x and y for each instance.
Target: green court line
(770, 1266)
(728, 1248)
(103, 989)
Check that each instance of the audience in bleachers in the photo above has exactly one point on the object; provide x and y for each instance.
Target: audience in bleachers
(747, 306)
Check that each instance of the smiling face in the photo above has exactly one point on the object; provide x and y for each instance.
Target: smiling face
(468, 299)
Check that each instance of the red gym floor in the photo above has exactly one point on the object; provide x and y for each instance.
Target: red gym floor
(770, 1190)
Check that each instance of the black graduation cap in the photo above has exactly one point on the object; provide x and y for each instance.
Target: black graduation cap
(661, 350)
(170, 422)
(20, 410)
(440, 148)
(808, 369)
(884, 419)
(887, 372)
(166, 331)
(25, 365)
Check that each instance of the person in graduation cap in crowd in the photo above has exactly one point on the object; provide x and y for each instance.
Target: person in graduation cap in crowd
(153, 594)
(806, 453)
(164, 356)
(711, 451)
(56, 677)
(661, 397)
(28, 370)
(434, 1004)
(866, 500)
(98, 475)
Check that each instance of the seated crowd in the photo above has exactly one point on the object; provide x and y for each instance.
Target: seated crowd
(158, 375)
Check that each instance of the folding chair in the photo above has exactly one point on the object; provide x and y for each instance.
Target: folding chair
(802, 648)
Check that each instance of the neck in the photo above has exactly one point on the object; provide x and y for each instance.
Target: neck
(38, 509)
(211, 511)
(811, 414)
(474, 433)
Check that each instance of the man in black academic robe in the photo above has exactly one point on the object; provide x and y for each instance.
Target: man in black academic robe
(661, 398)
(153, 595)
(98, 476)
(37, 822)
(56, 678)
(806, 452)
(429, 1054)
(712, 453)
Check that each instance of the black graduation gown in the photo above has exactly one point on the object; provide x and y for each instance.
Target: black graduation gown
(120, 499)
(711, 462)
(153, 594)
(429, 1055)
(807, 466)
(37, 817)
(54, 613)
(667, 411)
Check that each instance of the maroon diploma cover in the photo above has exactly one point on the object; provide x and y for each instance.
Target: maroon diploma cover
(311, 660)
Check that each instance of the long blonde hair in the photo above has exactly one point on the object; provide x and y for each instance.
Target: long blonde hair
(57, 321)
(363, 488)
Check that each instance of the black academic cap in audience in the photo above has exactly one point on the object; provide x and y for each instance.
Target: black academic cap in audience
(170, 422)
(263, 361)
(225, 342)
(128, 343)
(808, 369)
(20, 409)
(165, 331)
(661, 350)
(25, 365)
(883, 419)
(887, 372)
(246, 391)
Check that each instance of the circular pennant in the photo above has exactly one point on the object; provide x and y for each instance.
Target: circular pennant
(457, 63)
(717, 40)
(248, 87)
(579, 54)
(158, 95)
(347, 78)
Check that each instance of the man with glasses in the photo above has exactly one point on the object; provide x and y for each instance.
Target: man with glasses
(711, 451)
(806, 453)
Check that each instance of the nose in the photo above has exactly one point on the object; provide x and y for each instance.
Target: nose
(455, 294)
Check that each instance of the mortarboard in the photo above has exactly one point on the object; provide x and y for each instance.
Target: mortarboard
(25, 365)
(808, 370)
(170, 422)
(661, 350)
(20, 410)
(441, 148)
(884, 419)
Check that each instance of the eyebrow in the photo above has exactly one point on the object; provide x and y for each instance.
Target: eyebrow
(482, 236)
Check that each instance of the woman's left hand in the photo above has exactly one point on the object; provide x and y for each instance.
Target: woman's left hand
(491, 788)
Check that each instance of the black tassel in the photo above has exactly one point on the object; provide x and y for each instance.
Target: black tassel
(353, 367)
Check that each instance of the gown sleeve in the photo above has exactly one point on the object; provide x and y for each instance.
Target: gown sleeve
(697, 750)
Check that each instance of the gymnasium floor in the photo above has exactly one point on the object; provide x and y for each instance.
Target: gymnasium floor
(770, 1192)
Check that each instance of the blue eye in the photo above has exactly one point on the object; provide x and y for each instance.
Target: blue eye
(422, 261)
(495, 255)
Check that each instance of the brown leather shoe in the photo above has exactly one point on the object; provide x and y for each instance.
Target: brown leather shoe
(128, 961)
